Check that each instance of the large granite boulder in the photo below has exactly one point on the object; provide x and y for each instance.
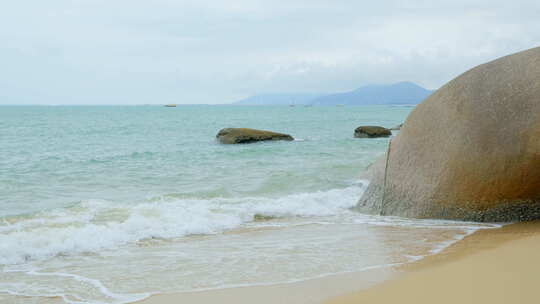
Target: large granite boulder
(371, 132)
(470, 151)
(244, 136)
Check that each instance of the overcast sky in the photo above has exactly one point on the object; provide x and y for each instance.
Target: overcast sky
(212, 51)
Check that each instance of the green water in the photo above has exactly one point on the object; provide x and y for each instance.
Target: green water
(57, 156)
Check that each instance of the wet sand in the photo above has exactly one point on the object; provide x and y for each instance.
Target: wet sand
(304, 292)
(490, 266)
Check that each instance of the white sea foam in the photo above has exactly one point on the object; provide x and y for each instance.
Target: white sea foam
(111, 297)
(425, 223)
(95, 225)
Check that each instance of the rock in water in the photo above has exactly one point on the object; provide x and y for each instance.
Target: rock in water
(371, 132)
(470, 151)
(244, 136)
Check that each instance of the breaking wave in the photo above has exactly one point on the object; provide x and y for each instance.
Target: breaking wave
(95, 225)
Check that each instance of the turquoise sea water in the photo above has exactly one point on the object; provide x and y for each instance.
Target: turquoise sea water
(58, 156)
(88, 194)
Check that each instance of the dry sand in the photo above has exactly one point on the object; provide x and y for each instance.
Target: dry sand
(491, 266)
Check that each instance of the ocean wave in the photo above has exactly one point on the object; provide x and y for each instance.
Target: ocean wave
(95, 225)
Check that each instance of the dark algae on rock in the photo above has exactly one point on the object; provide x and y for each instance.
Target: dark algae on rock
(245, 136)
(371, 132)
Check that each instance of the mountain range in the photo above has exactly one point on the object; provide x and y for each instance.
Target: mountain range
(380, 94)
(279, 99)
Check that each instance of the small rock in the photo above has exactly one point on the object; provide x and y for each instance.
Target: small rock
(371, 132)
(245, 135)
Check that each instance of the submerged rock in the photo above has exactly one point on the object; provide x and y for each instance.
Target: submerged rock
(470, 151)
(262, 217)
(397, 128)
(371, 132)
(245, 135)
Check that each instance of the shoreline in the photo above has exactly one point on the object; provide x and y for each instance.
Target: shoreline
(490, 266)
(310, 291)
(345, 288)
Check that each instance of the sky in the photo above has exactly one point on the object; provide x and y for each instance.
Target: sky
(212, 51)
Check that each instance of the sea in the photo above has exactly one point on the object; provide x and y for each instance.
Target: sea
(112, 204)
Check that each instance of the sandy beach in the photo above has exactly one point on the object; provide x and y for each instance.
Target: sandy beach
(489, 266)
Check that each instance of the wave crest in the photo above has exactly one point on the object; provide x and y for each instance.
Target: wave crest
(95, 225)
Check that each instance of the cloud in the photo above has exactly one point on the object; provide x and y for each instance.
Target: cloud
(103, 52)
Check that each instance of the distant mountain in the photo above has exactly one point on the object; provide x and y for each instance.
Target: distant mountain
(278, 99)
(382, 94)
(391, 94)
